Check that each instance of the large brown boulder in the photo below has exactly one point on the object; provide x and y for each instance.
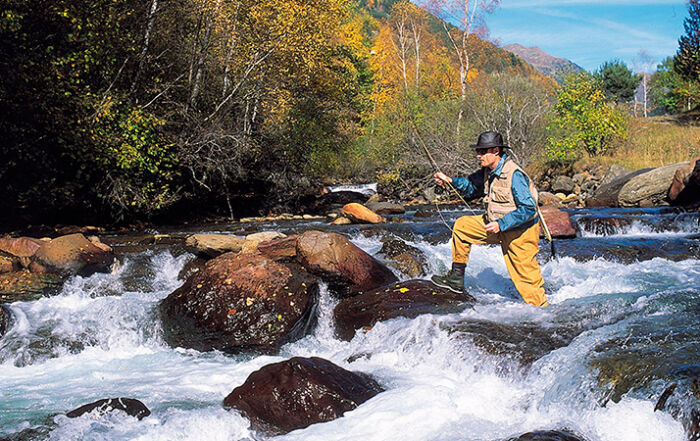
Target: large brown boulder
(280, 249)
(346, 267)
(685, 187)
(648, 189)
(72, 254)
(240, 302)
(360, 214)
(20, 246)
(212, 245)
(298, 392)
(558, 222)
(607, 195)
(406, 299)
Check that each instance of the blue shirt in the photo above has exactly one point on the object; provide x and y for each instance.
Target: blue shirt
(472, 187)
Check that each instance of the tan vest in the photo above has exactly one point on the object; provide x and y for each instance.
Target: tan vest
(499, 196)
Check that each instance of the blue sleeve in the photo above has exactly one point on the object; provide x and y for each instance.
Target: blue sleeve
(472, 186)
(524, 203)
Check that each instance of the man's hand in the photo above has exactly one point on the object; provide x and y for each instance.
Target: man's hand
(441, 179)
(493, 227)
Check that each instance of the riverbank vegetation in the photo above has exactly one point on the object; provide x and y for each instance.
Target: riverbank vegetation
(118, 111)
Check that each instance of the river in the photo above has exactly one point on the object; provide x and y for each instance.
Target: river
(624, 308)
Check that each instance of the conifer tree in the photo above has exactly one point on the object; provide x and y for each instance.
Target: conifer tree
(687, 60)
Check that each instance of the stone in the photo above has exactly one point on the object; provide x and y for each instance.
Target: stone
(546, 198)
(548, 435)
(685, 187)
(4, 320)
(360, 214)
(405, 299)
(558, 222)
(9, 264)
(253, 240)
(132, 407)
(581, 178)
(21, 246)
(607, 195)
(298, 392)
(241, 302)
(72, 254)
(331, 201)
(408, 259)
(563, 184)
(212, 245)
(342, 221)
(386, 208)
(345, 267)
(25, 286)
(613, 173)
(652, 186)
(280, 249)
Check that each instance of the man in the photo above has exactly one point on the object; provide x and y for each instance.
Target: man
(510, 219)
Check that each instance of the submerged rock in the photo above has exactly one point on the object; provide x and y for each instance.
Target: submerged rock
(406, 299)
(341, 263)
(24, 285)
(408, 259)
(240, 302)
(298, 392)
(132, 407)
(548, 435)
(4, 320)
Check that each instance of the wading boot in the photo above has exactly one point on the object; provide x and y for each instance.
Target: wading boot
(453, 280)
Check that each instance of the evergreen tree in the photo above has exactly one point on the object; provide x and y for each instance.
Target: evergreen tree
(687, 60)
(618, 81)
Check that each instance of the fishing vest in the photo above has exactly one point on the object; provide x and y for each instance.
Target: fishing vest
(499, 194)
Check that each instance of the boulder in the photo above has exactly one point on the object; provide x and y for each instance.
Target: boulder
(280, 249)
(212, 245)
(406, 299)
(563, 184)
(386, 208)
(399, 255)
(21, 246)
(685, 187)
(358, 213)
(346, 267)
(613, 173)
(332, 201)
(72, 254)
(548, 199)
(548, 435)
(9, 264)
(240, 302)
(298, 392)
(607, 195)
(650, 188)
(132, 407)
(253, 240)
(24, 285)
(342, 221)
(558, 222)
(424, 213)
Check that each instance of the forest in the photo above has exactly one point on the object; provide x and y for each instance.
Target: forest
(122, 111)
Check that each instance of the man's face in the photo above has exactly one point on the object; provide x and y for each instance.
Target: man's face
(488, 157)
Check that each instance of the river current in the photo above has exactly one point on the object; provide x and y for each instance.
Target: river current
(624, 306)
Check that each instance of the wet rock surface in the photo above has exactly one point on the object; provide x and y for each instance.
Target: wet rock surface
(280, 249)
(558, 222)
(212, 245)
(360, 214)
(72, 254)
(24, 285)
(298, 392)
(240, 302)
(132, 407)
(405, 299)
(548, 435)
(4, 320)
(408, 259)
(341, 263)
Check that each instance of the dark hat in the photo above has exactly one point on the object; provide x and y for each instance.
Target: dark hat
(488, 140)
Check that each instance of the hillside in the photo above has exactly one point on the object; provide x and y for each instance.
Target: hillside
(546, 64)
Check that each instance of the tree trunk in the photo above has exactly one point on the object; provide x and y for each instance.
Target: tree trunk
(146, 41)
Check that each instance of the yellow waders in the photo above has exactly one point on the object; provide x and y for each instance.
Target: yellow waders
(519, 250)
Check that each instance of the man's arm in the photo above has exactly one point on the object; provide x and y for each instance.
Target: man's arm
(524, 203)
(471, 187)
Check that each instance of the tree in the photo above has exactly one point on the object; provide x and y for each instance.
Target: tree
(643, 63)
(687, 60)
(470, 16)
(670, 91)
(583, 121)
(618, 81)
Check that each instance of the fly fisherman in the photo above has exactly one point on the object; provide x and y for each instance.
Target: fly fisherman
(510, 200)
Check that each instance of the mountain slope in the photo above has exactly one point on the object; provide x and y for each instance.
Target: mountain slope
(546, 64)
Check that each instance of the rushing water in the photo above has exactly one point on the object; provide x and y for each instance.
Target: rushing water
(628, 327)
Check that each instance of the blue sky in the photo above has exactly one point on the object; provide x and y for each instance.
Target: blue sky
(589, 32)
